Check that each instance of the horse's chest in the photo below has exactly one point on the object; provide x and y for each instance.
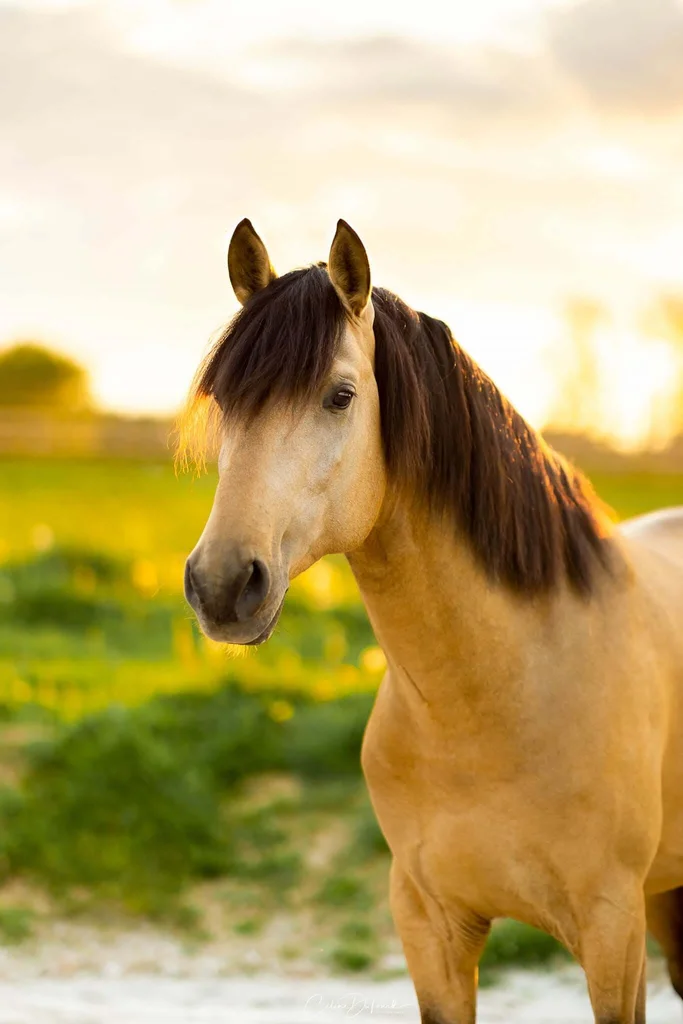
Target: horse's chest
(476, 824)
(445, 822)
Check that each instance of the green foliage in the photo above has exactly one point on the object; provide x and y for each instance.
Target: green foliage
(134, 803)
(57, 568)
(248, 926)
(262, 850)
(367, 839)
(16, 925)
(228, 734)
(511, 943)
(356, 931)
(325, 739)
(348, 957)
(75, 590)
(344, 890)
(108, 804)
(31, 375)
(281, 868)
(323, 794)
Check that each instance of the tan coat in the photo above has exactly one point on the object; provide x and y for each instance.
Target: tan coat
(524, 758)
(524, 755)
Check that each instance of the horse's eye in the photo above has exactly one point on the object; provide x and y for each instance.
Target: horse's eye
(341, 398)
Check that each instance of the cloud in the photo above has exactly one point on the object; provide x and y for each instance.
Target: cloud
(475, 85)
(470, 172)
(133, 167)
(70, 93)
(626, 54)
(124, 159)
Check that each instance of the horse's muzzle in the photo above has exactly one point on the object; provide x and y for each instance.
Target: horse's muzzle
(235, 604)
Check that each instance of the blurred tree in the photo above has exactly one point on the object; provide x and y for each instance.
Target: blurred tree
(579, 404)
(33, 376)
(664, 320)
(665, 317)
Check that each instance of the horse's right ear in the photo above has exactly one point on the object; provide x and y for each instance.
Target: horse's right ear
(248, 264)
(349, 269)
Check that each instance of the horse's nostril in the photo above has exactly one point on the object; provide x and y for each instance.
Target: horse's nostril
(230, 597)
(253, 591)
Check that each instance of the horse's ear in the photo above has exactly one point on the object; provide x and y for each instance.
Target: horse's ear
(248, 264)
(349, 269)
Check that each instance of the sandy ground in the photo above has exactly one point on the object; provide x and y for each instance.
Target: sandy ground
(522, 998)
(80, 976)
(84, 974)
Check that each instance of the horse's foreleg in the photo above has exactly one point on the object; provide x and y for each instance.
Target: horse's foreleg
(612, 953)
(442, 949)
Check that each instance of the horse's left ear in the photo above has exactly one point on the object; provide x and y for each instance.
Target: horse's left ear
(249, 267)
(349, 269)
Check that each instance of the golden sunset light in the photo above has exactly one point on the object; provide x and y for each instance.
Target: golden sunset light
(341, 511)
(498, 162)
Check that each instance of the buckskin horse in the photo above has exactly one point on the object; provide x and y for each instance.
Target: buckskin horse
(524, 754)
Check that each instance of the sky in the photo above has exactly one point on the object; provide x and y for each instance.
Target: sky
(498, 159)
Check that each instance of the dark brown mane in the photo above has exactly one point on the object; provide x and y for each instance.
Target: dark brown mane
(449, 435)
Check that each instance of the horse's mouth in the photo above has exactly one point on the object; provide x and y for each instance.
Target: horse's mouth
(265, 635)
(232, 633)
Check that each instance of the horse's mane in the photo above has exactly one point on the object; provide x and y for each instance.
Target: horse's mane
(450, 437)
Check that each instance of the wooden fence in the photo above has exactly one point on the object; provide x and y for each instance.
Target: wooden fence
(29, 432)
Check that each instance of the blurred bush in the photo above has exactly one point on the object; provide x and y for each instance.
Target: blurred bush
(118, 797)
(109, 803)
(135, 803)
(34, 377)
(512, 944)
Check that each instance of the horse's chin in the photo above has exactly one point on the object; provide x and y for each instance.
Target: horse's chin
(242, 634)
(267, 632)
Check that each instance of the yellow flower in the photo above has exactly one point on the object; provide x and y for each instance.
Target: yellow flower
(323, 690)
(348, 676)
(372, 660)
(280, 710)
(318, 583)
(335, 644)
(183, 642)
(42, 536)
(214, 652)
(145, 578)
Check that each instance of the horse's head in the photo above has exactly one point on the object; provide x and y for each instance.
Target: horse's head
(301, 465)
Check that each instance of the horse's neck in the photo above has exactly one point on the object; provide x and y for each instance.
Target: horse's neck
(441, 623)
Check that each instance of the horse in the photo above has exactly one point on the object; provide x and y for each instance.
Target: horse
(523, 755)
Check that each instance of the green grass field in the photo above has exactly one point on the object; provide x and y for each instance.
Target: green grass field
(145, 510)
(77, 634)
(91, 590)
(129, 509)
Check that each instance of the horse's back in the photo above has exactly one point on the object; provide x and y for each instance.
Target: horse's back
(660, 531)
(653, 544)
